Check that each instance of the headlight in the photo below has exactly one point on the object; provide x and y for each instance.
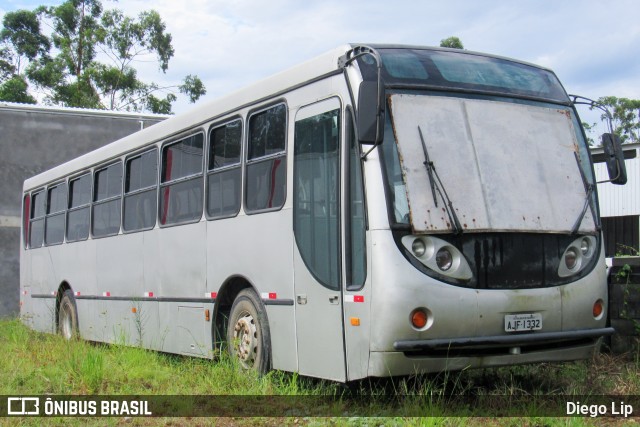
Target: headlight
(418, 247)
(571, 258)
(438, 255)
(444, 259)
(577, 255)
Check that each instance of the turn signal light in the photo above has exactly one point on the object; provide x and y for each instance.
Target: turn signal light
(598, 308)
(419, 319)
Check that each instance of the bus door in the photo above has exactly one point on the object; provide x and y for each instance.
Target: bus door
(316, 225)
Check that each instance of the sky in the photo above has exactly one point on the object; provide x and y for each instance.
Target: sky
(592, 45)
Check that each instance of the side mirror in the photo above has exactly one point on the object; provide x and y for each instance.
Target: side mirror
(614, 159)
(370, 118)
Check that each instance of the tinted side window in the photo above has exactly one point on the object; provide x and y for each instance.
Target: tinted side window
(36, 229)
(79, 204)
(181, 188)
(107, 201)
(140, 198)
(224, 178)
(316, 195)
(356, 259)
(266, 172)
(56, 209)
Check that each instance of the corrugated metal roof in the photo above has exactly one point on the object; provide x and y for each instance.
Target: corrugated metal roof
(13, 106)
(619, 200)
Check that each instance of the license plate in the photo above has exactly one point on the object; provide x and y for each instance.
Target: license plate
(522, 322)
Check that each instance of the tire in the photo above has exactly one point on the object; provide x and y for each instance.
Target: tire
(248, 337)
(68, 316)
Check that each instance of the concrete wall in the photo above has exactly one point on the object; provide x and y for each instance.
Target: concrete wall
(33, 139)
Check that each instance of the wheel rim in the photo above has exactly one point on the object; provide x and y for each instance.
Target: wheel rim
(66, 326)
(245, 339)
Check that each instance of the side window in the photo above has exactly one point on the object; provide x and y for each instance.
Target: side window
(181, 181)
(36, 229)
(266, 171)
(79, 204)
(316, 194)
(224, 178)
(140, 194)
(107, 200)
(356, 259)
(56, 209)
(26, 219)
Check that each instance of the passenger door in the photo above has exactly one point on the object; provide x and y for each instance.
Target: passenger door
(316, 225)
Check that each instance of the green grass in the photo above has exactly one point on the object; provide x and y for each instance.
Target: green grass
(39, 364)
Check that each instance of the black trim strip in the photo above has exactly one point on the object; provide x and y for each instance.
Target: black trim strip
(285, 302)
(454, 89)
(511, 340)
(116, 298)
(43, 296)
(277, 301)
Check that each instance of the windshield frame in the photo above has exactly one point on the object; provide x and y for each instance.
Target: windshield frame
(422, 63)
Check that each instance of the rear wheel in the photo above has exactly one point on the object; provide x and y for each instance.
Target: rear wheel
(68, 316)
(248, 333)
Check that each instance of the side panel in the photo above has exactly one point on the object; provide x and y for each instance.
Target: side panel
(258, 248)
(118, 273)
(182, 262)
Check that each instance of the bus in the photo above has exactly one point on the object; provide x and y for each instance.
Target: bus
(379, 210)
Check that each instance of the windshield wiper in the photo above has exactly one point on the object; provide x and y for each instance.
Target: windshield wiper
(587, 202)
(436, 186)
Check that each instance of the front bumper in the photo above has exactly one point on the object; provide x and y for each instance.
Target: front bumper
(425, 356)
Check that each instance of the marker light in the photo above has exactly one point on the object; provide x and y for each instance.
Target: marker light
(598, 308)
(444, 259)
(419, 318)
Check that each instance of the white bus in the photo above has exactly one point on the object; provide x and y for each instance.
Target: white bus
(379, 210)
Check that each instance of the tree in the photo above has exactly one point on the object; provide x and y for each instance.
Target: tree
(626, 117)
(6, 66)
(452, 42)
(89, 59)
(21, 34)
(76, 31)
(15, 90)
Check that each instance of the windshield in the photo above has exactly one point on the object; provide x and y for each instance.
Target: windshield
(463, 71)
(508, 165)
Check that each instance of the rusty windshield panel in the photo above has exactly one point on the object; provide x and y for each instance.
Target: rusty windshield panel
(440, 69)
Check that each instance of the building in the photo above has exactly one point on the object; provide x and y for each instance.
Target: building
(36, 138)
(620, 204)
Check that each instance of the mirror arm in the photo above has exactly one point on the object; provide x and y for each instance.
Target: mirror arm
(583, 100)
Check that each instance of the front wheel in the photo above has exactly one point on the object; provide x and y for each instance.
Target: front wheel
(248, 332)
(68, 316)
